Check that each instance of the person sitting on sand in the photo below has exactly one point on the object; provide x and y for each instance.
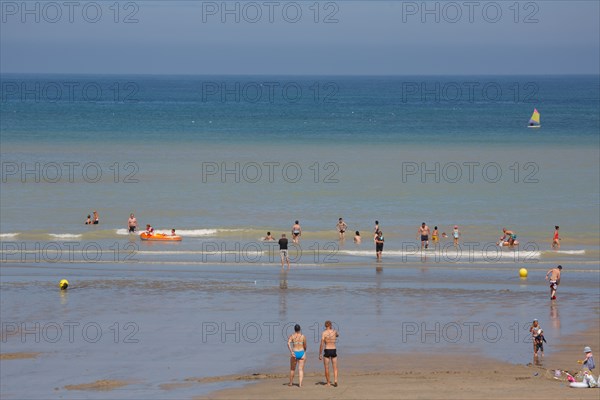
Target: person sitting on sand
(149, 230)
(268, 238)
(88, 221)
(297, 346)
(328, 352)
(357, 238)
(588, 361)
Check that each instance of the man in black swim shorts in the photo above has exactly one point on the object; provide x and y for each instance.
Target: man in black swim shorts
(341, 227)
(423, 231)
(328, 352)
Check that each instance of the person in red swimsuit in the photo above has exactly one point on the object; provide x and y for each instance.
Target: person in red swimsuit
(556, 239)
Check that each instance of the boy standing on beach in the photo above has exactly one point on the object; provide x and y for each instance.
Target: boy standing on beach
(553, 276)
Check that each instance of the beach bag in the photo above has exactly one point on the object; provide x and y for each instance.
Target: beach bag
(590, 381)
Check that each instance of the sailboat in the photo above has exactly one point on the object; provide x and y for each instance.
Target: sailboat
(534, 121)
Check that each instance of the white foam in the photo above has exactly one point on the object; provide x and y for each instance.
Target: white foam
(564, 252)
(8, 235)
(65, 235)
(450, 255)
(189, 232)
(179, 232)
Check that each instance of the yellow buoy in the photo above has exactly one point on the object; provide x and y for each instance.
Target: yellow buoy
(523, 273)
(63, 284)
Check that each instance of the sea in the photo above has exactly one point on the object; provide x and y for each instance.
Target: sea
(225, 159)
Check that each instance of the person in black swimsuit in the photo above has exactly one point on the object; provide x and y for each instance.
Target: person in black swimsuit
(341, 227)
(379, 244)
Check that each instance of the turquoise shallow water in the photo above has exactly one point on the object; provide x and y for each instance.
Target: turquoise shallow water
(223, 171)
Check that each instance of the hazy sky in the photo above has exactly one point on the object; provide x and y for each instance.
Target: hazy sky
(301, 37)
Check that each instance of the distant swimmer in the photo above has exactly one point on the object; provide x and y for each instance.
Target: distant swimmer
(88, 221)
(357, 238)
(508, 238)
(132, 223)
(455, 235)
(379, 240)
(268, 238)
(435, 235)
(556, 239)
(149, 229)
(423, 231)
(96, 218)
(341, 228)
(173, 232)
(297, 346)
(296, 232)
(553, 276)
(328, 352)
(444, 235)
(283, 250)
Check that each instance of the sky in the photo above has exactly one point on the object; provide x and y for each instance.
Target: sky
(264, 37)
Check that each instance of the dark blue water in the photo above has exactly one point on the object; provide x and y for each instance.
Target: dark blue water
(322, 109)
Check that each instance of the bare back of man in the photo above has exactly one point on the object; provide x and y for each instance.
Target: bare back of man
(328, 352)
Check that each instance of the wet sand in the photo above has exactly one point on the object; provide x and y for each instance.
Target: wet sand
(101, 385)
(427, 376)
(18, 356)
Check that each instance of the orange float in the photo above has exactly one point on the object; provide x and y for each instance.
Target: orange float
(160, 237)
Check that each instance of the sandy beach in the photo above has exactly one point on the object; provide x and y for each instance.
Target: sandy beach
(427, 376)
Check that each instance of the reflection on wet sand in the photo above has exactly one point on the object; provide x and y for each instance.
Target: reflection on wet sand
(554, 317)
(283, 286)
(378, 281)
